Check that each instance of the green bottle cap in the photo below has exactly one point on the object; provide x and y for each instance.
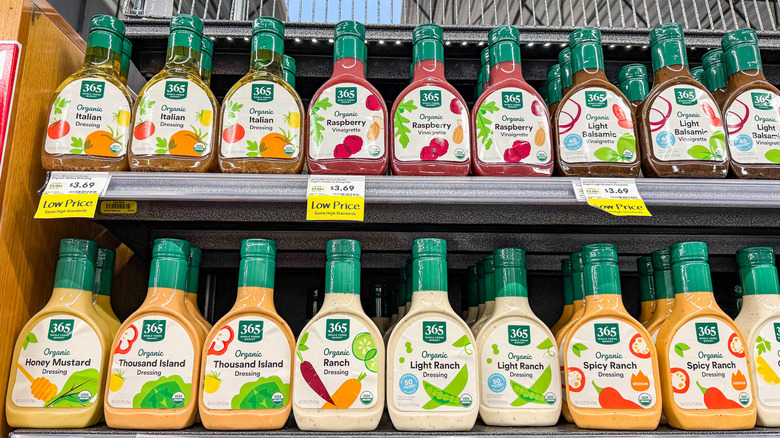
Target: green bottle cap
(568, 288)
(429, 265)
(401, 295)
(107, 23)
(481, 281)
(104, 270)
(427, 39)
(490, 271)
(76, 265)
(206, 53)
(268, 34)
(662, 274)
(544, 92)
(577, 277)
(484, 57)
(169, 264)
(258, 263)
(698, 74)
(600, 268)
(107, 32)
(510, 277)
(714, 70)
(740, 50)
(667, 46)
(690, 270)
(342, 271)
(586, 51)
(289, 70)
(504, 44)
(349, 41)
(554, 87)
(644, 266)
(757, 271)
(193, 274)
(632, 81)
(564, 60)
(127, 50)
(187, 22)
(186, 31)
(473, 288)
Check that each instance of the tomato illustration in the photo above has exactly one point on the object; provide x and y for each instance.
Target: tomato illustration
(735, 346)
(233, 133)
(680, 380)
(639, 347)
(576, 379)
(58, 129)
(143, 130)
(126, 340)
(221, 341)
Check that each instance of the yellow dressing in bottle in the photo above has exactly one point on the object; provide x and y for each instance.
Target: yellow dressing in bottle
(61, 354)
(101, 292)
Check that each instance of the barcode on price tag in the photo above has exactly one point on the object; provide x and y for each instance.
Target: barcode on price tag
(618, 197)
(72, 194)
(335, 198)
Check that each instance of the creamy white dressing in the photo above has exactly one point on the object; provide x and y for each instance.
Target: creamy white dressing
(490, 307)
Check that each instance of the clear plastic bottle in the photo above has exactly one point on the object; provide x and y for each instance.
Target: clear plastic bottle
(644, 266)
(101, 291)
(664, 291)
(206, 54)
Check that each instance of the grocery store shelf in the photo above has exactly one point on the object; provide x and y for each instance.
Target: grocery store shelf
(386, 430)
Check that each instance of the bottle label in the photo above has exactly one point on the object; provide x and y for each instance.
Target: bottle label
(513, 126)
(336, 365)
(90, 116)
(248, 366)
(59, 365)
(708, 366)
(766, 355)
(609, 365)
(152, 365)
(685, 124)
(753, 123)
(431, 124)
(346, 121)
(520, 367)
(434, 368)
(261, 119)
(173, 117)
(594, 126)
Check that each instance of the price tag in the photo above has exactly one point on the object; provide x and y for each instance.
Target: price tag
(72, 194)
(618, 197)
(335, 198)
(118, 207)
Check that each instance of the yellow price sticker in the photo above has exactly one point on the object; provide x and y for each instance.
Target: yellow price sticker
(618, 197)
(54, 206)
(335, 198)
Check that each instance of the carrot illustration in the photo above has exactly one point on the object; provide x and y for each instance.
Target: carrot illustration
(313, 380)
(41, 388)
(346, 394)
(715, 399)
(610, 398)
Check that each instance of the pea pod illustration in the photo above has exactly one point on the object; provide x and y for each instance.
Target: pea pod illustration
(450, 395)
(541, 385)
(525, 395)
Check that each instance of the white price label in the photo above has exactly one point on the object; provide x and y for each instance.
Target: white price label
(618, 197)
(72, 194)
(335, 198)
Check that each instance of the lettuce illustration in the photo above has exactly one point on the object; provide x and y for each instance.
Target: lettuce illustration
(79, 390)
(259, 394)
(159, 394)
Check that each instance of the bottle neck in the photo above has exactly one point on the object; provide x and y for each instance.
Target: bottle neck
(566, 76)
(668, 53)
(104, 52)
(663, 73)
(342, 275)
(103, 281)
(646, 288)
(251, 296)
(691, 277)
(75, 273)
(481, 291)
(554, 92)
(168, 273)
(182, 53)
(598, 303)
(256, 272)
(636, 89)
(349, 66)
(428, 69)
(578, 285)
(741, 58)
(510, 282)
(759, 280)
(490, 287)
(267, 53)
(601, 278)
(586, 56)
(505, 61)
(505, 70)
(663, 283)
(429, 274)
(714, 76)
(349, 56)
(193, 279)
(568, 290)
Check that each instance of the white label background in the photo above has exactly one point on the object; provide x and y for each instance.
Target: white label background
(760, 133)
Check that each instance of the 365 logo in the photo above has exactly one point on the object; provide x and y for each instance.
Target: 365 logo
(685, 96)
(153, 330)
(176, 90)
(762, 101)
(777, 331)
(60, 329)
(512, 100)
(434, 332)
(430, 98)
(250, 331)
(92, 89)
(262, 92)
(707, 332)
(519, 335)
(337, 329)
(607, 334)
(346, 95)
(596, 99)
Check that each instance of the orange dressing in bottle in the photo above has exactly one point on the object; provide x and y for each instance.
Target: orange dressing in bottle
(191, 295)
(644, 267)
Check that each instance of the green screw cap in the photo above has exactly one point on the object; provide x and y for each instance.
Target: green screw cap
(644, 265)
(429, 247)
(714, 70)
(350, 28)
(566, 267)
(632, 71)
(584, 35)
(289, 64)
(688, 251)
(666, 31)
(187, 22)
(79, 248)
(343, 248)
(268, 24)
(484, 57)
(576, 262)
(127, 48)
(427, 32)
(509, 258)
(737, 38)
(107, 23)
(105, 259)
(195, 255)
(503, 33)
(661, 259)
(258, 248)
(599, 252)
(740, 51)
(172, 248)
(756, 255)
(698, 74)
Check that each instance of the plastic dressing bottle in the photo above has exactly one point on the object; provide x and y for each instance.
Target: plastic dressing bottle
(554, 88)
(568, 297)
(473, 296)
(250, 337)
(339, 382)
(290, 69)
(632, 81)
(715, 79)
(61, 353)
(206, 54)
(697, 73)
(644, 266)
(400, 302)
(191, 295)
(101, 291)
(578, 309)
(515, 391)
(610, 359)
(380, 298)
(480, 291)
(664, 291)
(759, 321)
(155, 358)
(124, 66)
(490, 294)
(694, 342)
(432, 337)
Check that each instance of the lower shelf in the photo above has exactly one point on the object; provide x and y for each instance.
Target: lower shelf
(386, 429)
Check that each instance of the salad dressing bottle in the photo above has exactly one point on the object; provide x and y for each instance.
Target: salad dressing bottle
(174, 115)
(401, 302)
(206, 53)
(543, 90)
(124, 65)
(339, 380)
(431, 128)
(554, 88)
(155, 358)
(578, 309)
(609, 338)
(432, 337)
(664, 291)
(251, 336)
(348, 103)
(473, 296)
(564, 60)
(680, 127)
(290, 69)
(644, 267)
(759, 321)
(510, 135)
(60, 354)
(512, 398)
(568, 297)
(490, 294)
(480, 291)
(381, 317)
(261, 114)
(697, 73)
(714, 76)
(632, 81)
(593, 124)
(696, 339)
(750, 109)
(101, 291)
(484, 70)
(191, 289)
(96, 93)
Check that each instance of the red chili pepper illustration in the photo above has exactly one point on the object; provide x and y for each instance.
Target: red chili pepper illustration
(713, 118)
(315, 383)
(714, 399)
(126, 340)
(610, 398)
